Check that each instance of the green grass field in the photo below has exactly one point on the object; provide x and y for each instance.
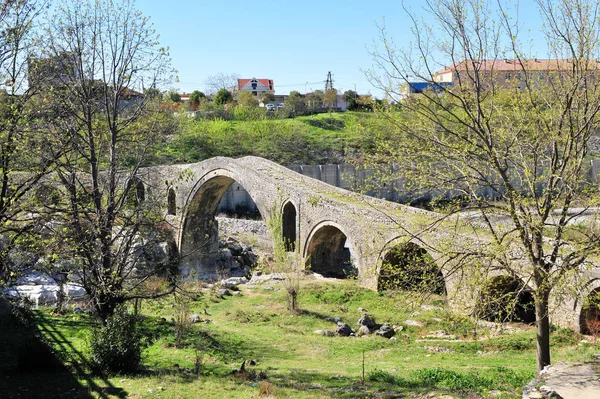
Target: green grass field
(297, 362)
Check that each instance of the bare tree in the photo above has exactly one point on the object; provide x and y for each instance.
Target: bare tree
(214, 83)
(97, 59)
(511, 145)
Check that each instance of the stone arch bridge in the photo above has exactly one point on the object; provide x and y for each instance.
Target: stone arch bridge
(320, 223)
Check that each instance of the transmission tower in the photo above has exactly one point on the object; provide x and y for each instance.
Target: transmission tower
(329, 82)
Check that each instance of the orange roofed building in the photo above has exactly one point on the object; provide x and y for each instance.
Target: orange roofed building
(255, 86)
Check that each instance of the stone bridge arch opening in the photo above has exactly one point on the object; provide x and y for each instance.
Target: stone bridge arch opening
(203, 254)
(506, 299)
(329, 253)
(289, 220)
(410, 267)
(589, 318)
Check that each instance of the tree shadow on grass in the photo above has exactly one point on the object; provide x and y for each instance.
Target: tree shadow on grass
(80, 365)
(29, 365)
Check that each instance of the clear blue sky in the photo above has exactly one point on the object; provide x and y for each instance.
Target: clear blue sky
(290, 41)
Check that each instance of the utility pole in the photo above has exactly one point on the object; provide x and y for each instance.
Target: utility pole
(329, 82)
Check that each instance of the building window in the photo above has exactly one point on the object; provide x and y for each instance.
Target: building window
(508, 75)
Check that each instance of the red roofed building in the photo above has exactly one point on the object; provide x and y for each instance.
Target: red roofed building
(256, 86)
(507, 72)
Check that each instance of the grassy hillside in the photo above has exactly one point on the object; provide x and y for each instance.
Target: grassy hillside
(316, 139)
(296, 362)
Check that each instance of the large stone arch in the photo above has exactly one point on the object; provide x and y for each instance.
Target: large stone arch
(407, 265)
(198, 238)
(324, 251)
(289, 228)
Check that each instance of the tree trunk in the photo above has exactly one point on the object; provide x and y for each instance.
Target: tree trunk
(542, 324)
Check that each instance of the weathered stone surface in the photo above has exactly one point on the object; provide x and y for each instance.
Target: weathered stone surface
(413, 323)
(223, 292)
(194, 318)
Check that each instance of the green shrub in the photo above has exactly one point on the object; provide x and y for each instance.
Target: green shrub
(452, 380)
(381, 376)
(564, 336)
(117, 347)
(515, 342)
(384, 376)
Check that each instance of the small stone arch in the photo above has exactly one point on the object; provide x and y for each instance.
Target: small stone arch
(326, 252)
(408, 266)
(135, 192)
(506, 298)
(171, 202)
(589, 312)
(289, 221)
(47, 195)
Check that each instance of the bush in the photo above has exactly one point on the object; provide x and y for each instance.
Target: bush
(117, 347)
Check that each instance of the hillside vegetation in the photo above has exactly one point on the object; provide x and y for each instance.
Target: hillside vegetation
(316, 139)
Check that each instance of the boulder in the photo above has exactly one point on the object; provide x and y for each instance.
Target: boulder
(223, 292)
(363, 330)
(324, 333)
(225, 254)
(235, 248)
(343, 329)
(368, 321)
(385, 331)
(194, 318)
(413, 323)
(397, 328)
(234, 281)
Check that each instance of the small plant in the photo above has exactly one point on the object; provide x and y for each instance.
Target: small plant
(593, 326)
(117, 347)
(182, 318)
(265, 388)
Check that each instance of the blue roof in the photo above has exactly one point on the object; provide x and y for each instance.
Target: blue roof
(419, 87)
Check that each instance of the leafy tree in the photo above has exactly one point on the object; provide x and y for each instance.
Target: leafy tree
(247, 99)
(315, 99)
(523, 140)
(267, 97)
(294, 104)
(196, 96)
(351, 97)
(223, 97)
(330, 98)
(173, 96)
(104, 222)
(23, 141)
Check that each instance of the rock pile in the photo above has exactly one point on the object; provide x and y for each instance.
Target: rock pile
(367, 326)
(235, 259)
(41, 289)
